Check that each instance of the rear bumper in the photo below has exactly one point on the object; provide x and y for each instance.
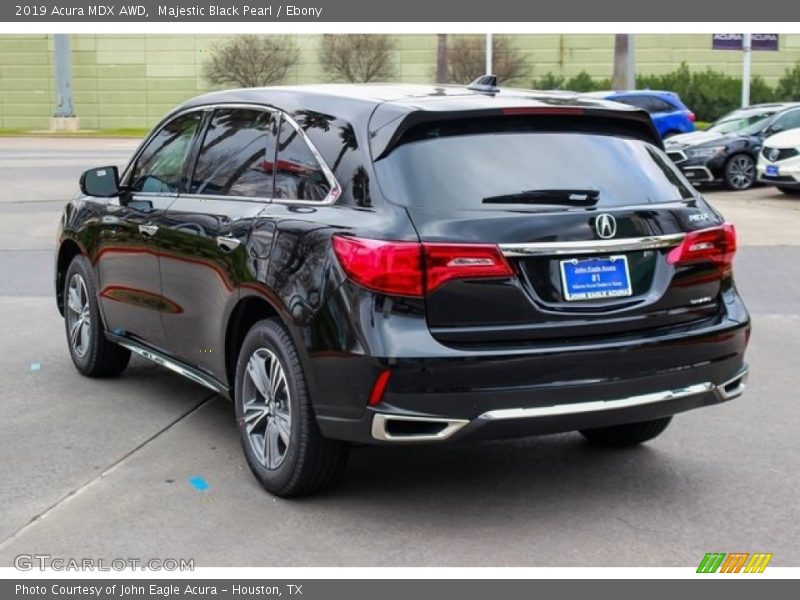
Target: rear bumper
(435, 400)
(517, 422)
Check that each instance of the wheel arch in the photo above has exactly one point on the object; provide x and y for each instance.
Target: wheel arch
(67, 251)
(252, 306)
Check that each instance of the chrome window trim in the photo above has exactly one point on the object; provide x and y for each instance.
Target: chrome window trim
(591, 246)
(333, 195)
(336, 189)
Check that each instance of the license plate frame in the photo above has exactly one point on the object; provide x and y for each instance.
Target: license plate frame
(771, 170)
(602, 278)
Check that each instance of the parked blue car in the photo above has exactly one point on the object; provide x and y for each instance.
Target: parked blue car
(669, 114)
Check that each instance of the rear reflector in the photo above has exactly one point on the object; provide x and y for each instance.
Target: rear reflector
(376, 395)
(715, 245)
(412, 268)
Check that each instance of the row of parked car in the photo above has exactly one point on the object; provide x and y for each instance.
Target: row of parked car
(757, 143)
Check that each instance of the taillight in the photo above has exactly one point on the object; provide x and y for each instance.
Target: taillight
(692, 116)
(411, 268)
(444, 262)
(716, 245)
(388, 267)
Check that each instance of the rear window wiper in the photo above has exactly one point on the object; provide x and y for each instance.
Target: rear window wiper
(559, 196)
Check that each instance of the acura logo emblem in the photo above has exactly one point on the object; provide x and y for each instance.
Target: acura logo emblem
(773, 154)
(606, 226)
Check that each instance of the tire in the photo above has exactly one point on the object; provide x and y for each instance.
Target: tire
(92, 354)
(279, 433)
(789, 191)
(740, 172)
(630, 434)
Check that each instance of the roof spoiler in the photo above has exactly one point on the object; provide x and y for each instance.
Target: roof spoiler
(394, 122)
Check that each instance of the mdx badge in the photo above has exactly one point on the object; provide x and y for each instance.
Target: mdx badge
(606, 226)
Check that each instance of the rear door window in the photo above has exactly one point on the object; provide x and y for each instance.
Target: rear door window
(159, 167)
(238, 155)
(298, 174)
(463, 171)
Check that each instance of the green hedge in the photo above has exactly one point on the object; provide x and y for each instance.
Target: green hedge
(709, 94)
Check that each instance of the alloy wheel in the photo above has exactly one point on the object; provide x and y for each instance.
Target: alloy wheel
(267, 408)
(741, 172)
(78, 316)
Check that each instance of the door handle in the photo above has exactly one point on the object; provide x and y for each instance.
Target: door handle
(228, 243)
(148, 230)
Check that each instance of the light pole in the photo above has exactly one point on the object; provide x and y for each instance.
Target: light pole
(64, 115)
(747, 48)
(488, 69)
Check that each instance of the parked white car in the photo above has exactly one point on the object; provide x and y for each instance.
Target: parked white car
(779, 161)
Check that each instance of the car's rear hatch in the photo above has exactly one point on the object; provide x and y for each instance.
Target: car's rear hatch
(592, 224)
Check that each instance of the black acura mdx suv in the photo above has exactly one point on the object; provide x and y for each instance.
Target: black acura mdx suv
(406, 264)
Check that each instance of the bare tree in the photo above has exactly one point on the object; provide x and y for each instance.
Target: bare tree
(250, 61)
(467, 57)
(442, 75)
(357, 58)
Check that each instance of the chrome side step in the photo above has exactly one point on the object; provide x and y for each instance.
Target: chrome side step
(171, 364)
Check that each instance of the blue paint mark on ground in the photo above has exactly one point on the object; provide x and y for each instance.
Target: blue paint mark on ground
(36, 366)
(198, 483)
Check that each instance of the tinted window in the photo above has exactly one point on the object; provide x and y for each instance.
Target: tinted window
(636, 101)
(160, 165)
(649, 103)
(657, 105)
(237, 155)
(744, 122)
(298, 175)
(786, 121)
(461, 171)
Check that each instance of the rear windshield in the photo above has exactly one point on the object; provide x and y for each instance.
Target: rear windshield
(463, 171)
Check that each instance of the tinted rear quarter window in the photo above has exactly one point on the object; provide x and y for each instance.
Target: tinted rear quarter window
(298, 174)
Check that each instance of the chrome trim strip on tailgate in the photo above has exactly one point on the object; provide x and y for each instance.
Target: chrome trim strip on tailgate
(598, 405)
(592, 246)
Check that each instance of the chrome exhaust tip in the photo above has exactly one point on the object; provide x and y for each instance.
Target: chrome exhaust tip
(398, 428)
(733, 387)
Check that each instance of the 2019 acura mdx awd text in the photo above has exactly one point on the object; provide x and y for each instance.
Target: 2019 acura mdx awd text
(406, 264)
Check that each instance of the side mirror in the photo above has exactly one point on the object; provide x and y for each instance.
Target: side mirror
(102, 182)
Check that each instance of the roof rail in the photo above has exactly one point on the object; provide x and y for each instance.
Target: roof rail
(485, 84)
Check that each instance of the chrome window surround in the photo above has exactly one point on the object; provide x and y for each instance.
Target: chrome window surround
(333, 194)
(591, 246)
